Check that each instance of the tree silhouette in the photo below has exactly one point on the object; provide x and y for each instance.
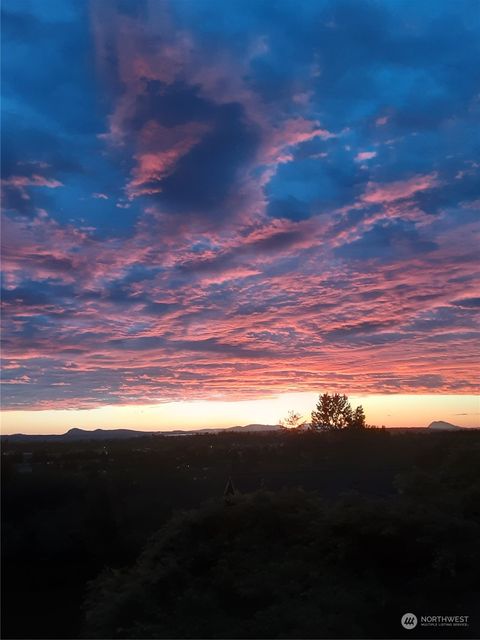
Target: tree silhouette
(358, 418)
(292, 421)
(333, 412)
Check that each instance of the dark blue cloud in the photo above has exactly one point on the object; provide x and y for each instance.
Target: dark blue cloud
(289, 208)
(204, 177)
(387, 242)
(309, 185)
(467, 303)
(171, 105)
(35, 293)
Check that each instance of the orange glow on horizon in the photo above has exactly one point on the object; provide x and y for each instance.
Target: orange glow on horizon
(400, 410)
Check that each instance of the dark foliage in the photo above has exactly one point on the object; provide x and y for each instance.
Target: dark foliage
(290, 564)
(384, 524)
(334, 412)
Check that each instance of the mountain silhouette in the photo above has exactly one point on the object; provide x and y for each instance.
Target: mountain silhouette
(76, 434)
(255, 427)
(441, 425)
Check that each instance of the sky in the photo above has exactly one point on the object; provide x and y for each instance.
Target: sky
(214, 211)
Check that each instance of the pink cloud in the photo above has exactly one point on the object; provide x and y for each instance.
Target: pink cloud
(161, 149)
(32, 181)
(289, 133)
(399, 190)
(365, 155)
(20, 183)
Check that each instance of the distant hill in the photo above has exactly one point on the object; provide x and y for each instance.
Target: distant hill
(255, 427)
(75, 434)
(102, 434)
(440, 425)
(79, 434)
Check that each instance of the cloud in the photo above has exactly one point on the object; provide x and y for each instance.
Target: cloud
(399, 190)
(210, 168)
(467, 303)
(241, 199)
(387, 242)
(365, 155)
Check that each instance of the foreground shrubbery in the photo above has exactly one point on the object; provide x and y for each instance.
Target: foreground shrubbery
(292, 565)
(81, 510)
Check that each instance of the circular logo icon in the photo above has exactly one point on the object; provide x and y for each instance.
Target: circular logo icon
(409, 621)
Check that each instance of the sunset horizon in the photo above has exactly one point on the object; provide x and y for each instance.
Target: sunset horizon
(381, 410)
(240, 319)
(217, 215)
